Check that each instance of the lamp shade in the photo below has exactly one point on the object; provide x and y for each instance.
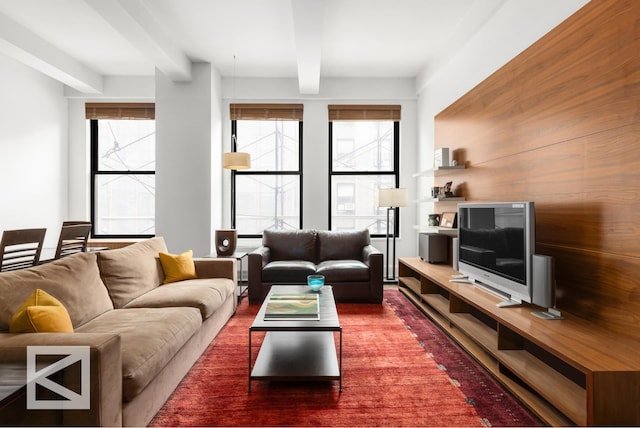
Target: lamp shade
(393, 197)
(236, 160)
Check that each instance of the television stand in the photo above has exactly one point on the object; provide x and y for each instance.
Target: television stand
(550, 314)
(572, 372)
(506, 301)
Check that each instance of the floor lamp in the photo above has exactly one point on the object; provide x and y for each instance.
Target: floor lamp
(392, 199)
(226, 239)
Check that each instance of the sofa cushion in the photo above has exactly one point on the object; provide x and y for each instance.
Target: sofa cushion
(177, 267)
(290, 271)
(73, 280)
(290, 244)
(131, 271)
(206, 295)
(340, 245)
(343, 271)
(150, 337)
(41, 313)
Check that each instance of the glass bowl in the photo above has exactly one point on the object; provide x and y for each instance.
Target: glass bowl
(315, 282)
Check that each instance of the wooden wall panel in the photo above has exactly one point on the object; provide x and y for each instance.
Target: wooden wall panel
(560, 125)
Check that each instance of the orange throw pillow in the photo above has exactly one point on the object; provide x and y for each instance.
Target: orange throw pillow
(177, 267)
(41, 313)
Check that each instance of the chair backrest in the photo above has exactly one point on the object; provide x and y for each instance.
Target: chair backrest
(73, 238)
(75, 222)
(21, 248)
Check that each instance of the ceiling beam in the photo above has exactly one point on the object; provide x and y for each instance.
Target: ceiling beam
(307, 25)
(133, 19)
(30, 49)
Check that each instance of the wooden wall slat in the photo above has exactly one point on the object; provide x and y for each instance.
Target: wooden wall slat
(560, 125)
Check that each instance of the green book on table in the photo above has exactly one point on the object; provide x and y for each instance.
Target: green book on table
(293, 306)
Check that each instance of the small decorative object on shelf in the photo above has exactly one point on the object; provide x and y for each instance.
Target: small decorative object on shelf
(445, 191)
(448, 220)
(435, 191)
(441, 157)
(434, 220)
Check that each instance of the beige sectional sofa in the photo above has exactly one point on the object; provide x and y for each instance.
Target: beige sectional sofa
(143, 335)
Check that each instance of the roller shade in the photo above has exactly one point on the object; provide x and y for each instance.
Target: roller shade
(266, 111)
(120, 111)
(364, 112)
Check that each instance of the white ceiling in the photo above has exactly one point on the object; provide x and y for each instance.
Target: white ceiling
(80, 41)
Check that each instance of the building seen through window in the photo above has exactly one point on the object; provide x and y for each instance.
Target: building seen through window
(267, 196)
(122, 169)
(364, 158)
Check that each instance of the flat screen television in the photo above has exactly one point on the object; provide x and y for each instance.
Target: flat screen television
(496, 242)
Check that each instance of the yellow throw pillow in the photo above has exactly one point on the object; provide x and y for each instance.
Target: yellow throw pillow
(41, 313)
(177, 267)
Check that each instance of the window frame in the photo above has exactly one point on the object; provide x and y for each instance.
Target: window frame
(96, 172)
(251, 172)
(395, 172)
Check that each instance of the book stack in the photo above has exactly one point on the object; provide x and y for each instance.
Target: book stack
(293, 307)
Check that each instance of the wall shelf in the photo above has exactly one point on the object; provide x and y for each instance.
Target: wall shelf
(437, 229)
(441, 199)
(568, 372)
(434, 171)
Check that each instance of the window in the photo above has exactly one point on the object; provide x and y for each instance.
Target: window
(269, 195)
(363, 150)
(123, 141)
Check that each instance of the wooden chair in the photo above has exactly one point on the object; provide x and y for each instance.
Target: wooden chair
(20, 248)
(73, 238)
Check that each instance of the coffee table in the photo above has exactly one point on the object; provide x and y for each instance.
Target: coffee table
(298, 349)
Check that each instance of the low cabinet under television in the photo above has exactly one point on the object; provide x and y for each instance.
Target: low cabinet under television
(567, 372)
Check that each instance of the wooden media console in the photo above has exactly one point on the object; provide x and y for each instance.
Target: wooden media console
(567, 372)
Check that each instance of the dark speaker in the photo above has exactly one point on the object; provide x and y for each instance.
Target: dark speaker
(454, 242)
(543, 289)
(433, 247)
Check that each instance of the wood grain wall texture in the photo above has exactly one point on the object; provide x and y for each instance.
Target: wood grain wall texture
(560, 125)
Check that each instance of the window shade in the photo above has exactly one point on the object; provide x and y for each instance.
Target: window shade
(364, 112)
(266, 111)
(120, 110)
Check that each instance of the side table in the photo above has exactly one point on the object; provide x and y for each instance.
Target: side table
(239, 254)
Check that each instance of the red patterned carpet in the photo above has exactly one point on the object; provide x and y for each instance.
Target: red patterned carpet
(398, 370)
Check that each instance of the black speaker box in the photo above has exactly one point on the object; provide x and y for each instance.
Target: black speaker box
(433, 247)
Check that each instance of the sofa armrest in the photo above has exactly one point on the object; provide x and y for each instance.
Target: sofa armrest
(373, 258)
(370, 254)
(258, 258)
(216, 268)
(261, 253)
(105, 379)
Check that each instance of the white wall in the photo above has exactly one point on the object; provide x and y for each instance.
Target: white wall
(33, 151)
(184, 123)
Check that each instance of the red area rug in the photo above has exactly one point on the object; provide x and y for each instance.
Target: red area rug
(393, 375)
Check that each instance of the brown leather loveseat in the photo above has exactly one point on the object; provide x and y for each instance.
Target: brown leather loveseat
(350, 264)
